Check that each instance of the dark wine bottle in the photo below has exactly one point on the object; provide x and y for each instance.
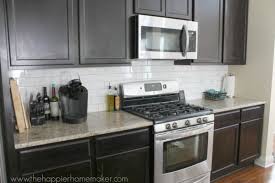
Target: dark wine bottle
(46, 101)
(54, 105)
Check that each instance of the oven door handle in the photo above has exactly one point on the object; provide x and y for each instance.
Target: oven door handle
(170, 136)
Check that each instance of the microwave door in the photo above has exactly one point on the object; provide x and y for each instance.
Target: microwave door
(160, 38)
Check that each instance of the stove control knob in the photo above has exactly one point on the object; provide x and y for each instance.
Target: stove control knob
(205, 120)
(199, 120)
(187, 123)
(175, 125)
(168, 126)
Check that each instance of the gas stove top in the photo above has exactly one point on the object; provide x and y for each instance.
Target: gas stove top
(164, 112)
(163, 103)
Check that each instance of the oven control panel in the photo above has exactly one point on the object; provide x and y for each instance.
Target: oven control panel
(184, 123)
(149, 88)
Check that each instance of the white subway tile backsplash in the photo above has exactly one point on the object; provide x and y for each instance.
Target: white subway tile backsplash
(193, 79)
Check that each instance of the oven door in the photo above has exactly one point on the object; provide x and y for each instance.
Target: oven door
(162, 38)
(183, 154)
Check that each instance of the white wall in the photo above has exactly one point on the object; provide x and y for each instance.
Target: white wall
(255, 80)
(193, 79)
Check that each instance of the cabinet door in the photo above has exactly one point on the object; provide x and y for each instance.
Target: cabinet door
(250, 141)
(132, 165)
(43, 32)
(179, 9)
(225, 150)
(150, 7)
(102, 31)
(209, 15)
(235, 31)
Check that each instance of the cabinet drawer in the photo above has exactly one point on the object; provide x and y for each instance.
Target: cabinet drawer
(54, 156)
(117, 143)
(83, 169)
(227, 118)
(252, 113)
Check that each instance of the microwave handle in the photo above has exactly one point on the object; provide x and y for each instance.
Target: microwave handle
(184, 44)
(187, 40)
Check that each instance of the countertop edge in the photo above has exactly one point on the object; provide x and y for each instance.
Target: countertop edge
(80, 136)
(238, 107)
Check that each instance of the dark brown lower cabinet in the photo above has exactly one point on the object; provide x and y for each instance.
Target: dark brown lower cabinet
(129, 166)
(225, 150)
(70, 160)
(250, 141)
(75, 171)
(120, 157)
(124, 156)
(237, 140)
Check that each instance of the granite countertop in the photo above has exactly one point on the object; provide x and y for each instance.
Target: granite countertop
(109, 122)
(97, 124)
(227, 104)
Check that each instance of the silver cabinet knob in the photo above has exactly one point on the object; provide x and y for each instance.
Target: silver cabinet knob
(175, 125)
(168, 126)
(199, 120)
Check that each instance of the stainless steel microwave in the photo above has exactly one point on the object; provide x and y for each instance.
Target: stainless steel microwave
(165, 38)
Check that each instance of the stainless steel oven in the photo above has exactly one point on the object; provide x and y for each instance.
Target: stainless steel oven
(184, 155)
(165, 38)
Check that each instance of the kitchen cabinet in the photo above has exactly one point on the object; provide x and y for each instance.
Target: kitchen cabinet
(209, 15)
(77, 170)
(179, 9)
(60, 159)
(225, 159)
(250, 134)
(150, 7)
(235, 31)
(226, 134)
(133, 165)
(103, 31)
(237, 139)
(38, 37)
(124, 154)
(250, 140)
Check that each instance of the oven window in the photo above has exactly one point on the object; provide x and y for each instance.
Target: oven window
(160, 39)
(184, 152)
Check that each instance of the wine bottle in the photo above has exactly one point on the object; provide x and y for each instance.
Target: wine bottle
(54, 105)
(46, 101)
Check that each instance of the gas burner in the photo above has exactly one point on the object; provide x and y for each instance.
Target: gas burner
(163, 112)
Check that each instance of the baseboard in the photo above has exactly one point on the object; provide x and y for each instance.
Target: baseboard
(265, 162)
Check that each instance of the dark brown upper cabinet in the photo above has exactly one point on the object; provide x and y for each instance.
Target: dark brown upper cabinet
(43, 32)
(209, 14)
(235, 32)
(103, 31)
(169, 8)
(150, 7)
(179, 9)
